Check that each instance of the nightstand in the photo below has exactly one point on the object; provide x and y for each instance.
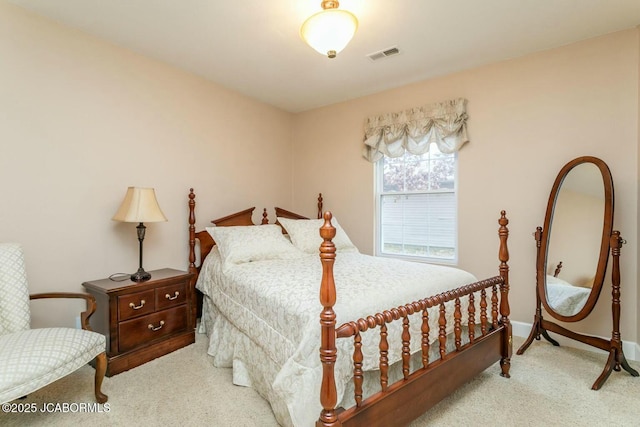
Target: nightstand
(143, 320)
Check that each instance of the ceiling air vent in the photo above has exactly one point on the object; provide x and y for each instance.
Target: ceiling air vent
(383, 53)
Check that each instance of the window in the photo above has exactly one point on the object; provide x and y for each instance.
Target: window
(415, 155)
(416, 206)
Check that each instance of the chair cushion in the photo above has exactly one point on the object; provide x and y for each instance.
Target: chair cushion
(14, 293)
(31, 359)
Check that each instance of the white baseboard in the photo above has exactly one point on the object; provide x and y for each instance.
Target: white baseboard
(631, 349)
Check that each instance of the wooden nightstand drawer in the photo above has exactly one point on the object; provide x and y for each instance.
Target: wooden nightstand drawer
(170, 296)
(136, 304)
(135, 332)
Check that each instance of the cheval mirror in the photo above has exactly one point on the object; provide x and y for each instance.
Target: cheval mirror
(572, 255)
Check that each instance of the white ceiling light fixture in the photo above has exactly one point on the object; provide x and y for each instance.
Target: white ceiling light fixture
(330, 30)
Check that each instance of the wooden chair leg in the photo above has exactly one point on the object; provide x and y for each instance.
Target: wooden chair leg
(101, 369)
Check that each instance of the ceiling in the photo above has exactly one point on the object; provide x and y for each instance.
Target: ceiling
(254, 46)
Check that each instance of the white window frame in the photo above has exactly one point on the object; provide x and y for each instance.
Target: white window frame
(378, 185)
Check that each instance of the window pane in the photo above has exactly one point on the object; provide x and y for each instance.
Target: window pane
(417, 176)
(393, 178)
(442, 173)
(417, 205)
(419, 224)
(408, 157)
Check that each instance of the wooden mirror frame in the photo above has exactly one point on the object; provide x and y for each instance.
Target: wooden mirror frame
(611, 241)
(607, 229)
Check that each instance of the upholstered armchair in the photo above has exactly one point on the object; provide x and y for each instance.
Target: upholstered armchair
(33, 358)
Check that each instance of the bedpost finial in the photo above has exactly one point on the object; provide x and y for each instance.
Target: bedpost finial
(327, 231)
(320, 207)
(503, 218)
(191, 194)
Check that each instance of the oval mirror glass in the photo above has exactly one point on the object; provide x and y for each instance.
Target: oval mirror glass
(579, 224)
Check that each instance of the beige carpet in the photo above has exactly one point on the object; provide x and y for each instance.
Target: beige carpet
(549, 386)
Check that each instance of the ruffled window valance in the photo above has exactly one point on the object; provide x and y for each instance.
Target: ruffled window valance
(413, 130)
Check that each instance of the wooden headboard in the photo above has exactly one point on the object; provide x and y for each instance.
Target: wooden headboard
(239, 218)
(206, 241)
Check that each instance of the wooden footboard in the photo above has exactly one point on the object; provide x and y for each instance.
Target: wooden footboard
(399, 403)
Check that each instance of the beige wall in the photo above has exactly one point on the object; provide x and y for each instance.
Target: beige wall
(81, 120)
(638, 193)
(527, 118)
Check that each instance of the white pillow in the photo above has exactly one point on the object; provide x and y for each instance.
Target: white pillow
(305, 235)
(247, 243)
(557, 281)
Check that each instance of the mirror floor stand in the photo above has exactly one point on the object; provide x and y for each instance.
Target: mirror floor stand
(616, 360)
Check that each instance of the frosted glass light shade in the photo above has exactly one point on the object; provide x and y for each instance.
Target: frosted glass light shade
(329, 31)
(139, 205)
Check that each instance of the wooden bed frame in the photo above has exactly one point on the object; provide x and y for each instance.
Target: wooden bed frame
(398, 403)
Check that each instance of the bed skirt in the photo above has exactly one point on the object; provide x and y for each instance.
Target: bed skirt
(252, 367)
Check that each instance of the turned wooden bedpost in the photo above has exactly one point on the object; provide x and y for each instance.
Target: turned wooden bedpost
(503, 232)
(328, 351)
(192, 232)
(192, 258)
(320, 206)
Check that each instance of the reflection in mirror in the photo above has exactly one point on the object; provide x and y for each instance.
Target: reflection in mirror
(574, 239)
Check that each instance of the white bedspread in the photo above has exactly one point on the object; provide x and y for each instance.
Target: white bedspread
(275, 304)
(565, 298)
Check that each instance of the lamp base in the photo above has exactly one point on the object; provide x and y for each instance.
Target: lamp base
(140, 276)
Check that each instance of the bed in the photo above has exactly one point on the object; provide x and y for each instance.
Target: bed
(408, 334)
(564, 297)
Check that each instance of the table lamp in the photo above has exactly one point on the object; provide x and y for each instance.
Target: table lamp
(140, 205)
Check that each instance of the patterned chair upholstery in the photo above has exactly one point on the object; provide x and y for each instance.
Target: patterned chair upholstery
(33, 358)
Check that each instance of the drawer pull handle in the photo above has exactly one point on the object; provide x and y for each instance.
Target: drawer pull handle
(137, 307)
(156, 328)
(171, 298)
